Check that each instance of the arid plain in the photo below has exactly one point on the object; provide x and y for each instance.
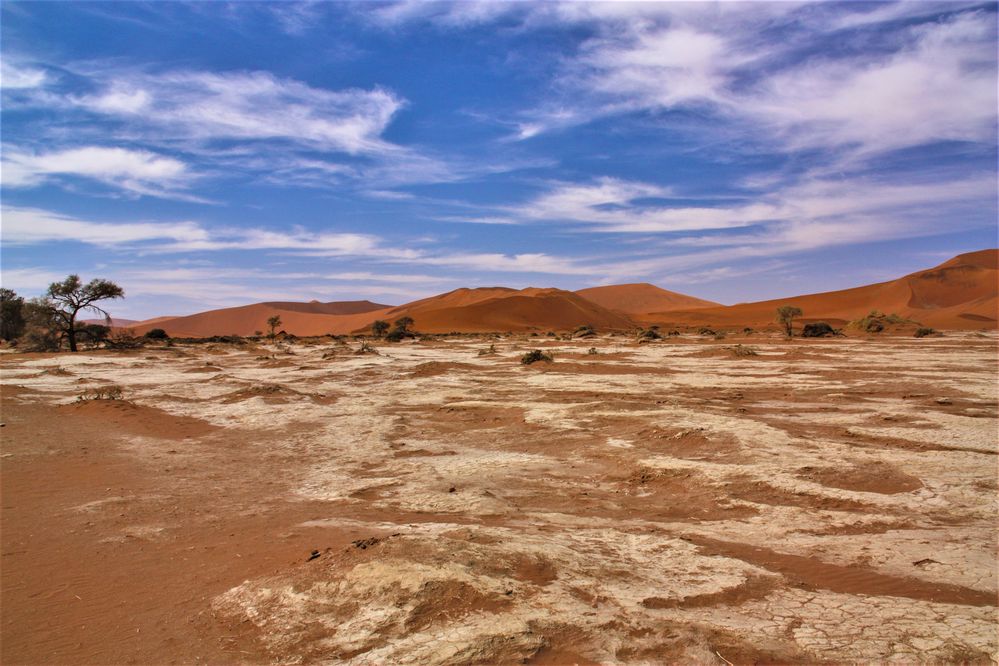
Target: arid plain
(829, 500)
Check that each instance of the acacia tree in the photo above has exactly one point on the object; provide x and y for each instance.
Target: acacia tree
(11, 314)
(786, 315)
(402, 324)
(67, 298)
(379, 327)
(274, 322)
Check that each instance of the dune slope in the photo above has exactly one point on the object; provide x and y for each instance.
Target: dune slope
(642, 298)
(958, 294)
(312, 318)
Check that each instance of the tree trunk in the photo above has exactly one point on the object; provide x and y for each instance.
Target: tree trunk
(72, 333)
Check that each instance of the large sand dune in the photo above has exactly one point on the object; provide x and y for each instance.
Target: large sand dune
(312, 318)
(642, 298)
(958, 294)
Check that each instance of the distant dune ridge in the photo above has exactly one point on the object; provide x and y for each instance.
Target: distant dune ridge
(958, 294)
(642, 298)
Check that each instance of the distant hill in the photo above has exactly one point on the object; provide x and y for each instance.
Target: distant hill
(312, 318)
(642, 298)
(958, 294)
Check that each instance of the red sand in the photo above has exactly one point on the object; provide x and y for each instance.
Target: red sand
(642, 298)
(958, 294)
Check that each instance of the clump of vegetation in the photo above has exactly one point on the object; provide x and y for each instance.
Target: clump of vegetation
(748, 331)
(924, 331)
(592, 351)
(366, 348)
(488, 352)
(704, 330)
(534, 356)
(584, 331)
(112, 392)
(650, 333)
(720, 335)
(157, 334)
(123, 338)
(379, 327)
(818, 329)
(400, 330)
(876, 322)
(11, 315)
(743, 350)
(785, 317)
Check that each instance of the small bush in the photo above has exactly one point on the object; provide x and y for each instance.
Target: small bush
(651, 333)
(157, 334)
(819, 329)
(704, 330)
(923, 331)
(585, 331)
(113, 392)
(534, 356)
(875, 322)
(592, 351)
(488, 352)
(720, 335)
(366, 348)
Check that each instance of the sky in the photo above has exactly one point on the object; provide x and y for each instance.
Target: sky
(211, 154)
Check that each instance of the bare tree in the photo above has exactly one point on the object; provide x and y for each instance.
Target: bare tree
(786, 315)
(67, 298)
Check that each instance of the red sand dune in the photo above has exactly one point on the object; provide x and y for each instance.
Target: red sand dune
(312, 318)
(958, 294)
(501, 309)
(642, 298)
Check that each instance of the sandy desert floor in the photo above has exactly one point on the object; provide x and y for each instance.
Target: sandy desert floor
(822, 501)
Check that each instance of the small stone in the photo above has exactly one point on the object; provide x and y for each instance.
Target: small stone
(944, 401)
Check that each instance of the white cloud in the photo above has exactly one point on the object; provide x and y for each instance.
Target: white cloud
(934, 81)
(206, 106)
(13, 76)
(136, 171)
(940, 87)
(30, 226)
(613, 205)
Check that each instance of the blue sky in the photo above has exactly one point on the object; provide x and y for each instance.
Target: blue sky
(214, 154)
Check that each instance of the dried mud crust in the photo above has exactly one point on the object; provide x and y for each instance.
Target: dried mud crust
(828, 502)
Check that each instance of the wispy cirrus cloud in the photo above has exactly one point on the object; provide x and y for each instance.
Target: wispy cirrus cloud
(134, 171)
(211, 106)
(719, 59)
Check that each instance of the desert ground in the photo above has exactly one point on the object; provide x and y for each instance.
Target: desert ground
(438, 502)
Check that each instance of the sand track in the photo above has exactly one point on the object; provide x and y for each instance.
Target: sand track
(829, 500)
